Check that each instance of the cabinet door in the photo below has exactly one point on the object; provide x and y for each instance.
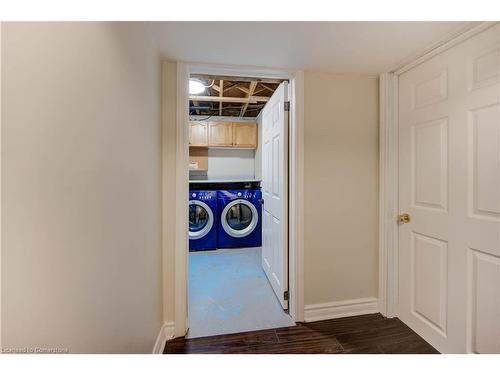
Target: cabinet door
(220, 134)
(198, 133)
(244, 134)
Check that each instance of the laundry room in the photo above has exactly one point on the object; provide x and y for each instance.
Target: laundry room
(237, 268)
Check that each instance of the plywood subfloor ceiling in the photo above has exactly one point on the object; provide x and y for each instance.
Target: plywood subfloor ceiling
(231, 96)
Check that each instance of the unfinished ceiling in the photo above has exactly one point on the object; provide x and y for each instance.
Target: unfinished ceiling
(231, 96)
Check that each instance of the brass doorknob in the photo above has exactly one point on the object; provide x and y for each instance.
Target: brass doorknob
(404, 218)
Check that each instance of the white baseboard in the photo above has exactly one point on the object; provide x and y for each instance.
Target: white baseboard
(340, 309)
(166, 333)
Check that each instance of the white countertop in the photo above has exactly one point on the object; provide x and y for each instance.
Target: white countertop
(222, 180)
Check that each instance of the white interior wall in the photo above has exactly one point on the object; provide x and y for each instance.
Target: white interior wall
(81, 188)
(231, 163)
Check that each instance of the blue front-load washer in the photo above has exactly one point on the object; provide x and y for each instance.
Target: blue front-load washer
(202, 220)
(239, 218)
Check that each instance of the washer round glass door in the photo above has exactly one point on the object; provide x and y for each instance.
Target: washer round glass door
(239, 218)
(201, 219)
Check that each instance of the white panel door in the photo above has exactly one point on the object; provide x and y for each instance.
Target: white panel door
(275, 192)
(449, 184)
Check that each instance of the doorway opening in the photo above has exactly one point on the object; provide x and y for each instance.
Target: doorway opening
(238, 263)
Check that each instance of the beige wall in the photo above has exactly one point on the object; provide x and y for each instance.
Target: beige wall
(81, 187)
(341, 187)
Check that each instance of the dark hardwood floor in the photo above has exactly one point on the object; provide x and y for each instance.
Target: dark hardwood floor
(360, 334)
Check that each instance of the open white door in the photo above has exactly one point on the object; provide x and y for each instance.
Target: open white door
(275, 192)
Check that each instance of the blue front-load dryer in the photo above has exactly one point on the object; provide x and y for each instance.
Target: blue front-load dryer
(239, 218)
(202, 220)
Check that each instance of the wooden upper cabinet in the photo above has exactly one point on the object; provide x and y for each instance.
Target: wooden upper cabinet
(198, 133)
(220, 134)
(244, 134)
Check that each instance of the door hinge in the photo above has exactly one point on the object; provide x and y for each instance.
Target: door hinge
(287, 106)
(286, 295)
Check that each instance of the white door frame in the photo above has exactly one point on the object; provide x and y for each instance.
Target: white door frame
(296, 184)
(389, 179)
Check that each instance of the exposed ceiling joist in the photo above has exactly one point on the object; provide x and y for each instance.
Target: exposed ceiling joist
(227, 99)
(242, 89)
(251, 90)
(267, 87)
(245, 96)
(235, 86)
(221, 94)
(240, 79)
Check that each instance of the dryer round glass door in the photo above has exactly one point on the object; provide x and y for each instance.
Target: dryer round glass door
(201, 219)
(239, 218)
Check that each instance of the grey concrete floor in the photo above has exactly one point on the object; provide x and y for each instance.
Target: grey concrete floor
(229, 292)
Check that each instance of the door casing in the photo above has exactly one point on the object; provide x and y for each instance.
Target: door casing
(296, 184)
